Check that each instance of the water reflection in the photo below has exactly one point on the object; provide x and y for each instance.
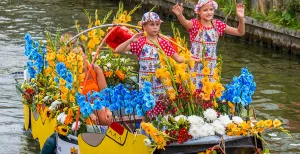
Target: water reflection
(277, 75)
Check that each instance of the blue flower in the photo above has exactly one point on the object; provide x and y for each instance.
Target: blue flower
(128, 110)
(140, 113)
(69, 86)
(147, 84)
(150, 104)
(86, 111)
(146, 90)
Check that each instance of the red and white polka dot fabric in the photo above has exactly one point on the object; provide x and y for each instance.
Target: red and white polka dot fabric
(220, 27)
(137, 47)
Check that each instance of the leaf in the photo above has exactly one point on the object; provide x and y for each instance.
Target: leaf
(214, 152)
(155, 123)
(266, 151)
(159, 117)
(160, 126)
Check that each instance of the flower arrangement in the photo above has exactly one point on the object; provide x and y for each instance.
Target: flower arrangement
(158, 137)
(117, 68)
(116, 98)
(179, 86)
(240, 92)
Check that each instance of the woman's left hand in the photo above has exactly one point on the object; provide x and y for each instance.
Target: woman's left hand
(240, 11)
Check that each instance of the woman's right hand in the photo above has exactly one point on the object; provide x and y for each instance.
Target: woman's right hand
(178, 9)
(136, 37)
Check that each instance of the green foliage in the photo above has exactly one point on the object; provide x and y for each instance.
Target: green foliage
(284, 17)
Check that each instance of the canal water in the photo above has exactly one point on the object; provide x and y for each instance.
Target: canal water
(277, 75)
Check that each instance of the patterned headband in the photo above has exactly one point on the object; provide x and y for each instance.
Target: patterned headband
(150, 16)
(204, 2)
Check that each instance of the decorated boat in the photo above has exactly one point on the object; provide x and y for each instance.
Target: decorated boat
(215, 120)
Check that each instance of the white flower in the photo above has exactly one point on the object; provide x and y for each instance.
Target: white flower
(195, 120)
(180, 116)
(103, 57)
(74, 124)
(147, 142)
(210, 129)
(108, 65)
(219, 128)
(54, 104)
(237, 119)
(206, 130)
(225, 120)
(46, 98)
(167, 116)
(123, 60)
(194, 131)
(61, 117)
(210, 114)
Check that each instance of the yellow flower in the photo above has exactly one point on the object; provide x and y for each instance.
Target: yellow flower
(192, 64)
(101, 33)
(276, 123)
(48, 70)
(55, 125)
(83, 38)
(74, 150)
(47, 114)
(268, 123)
(127, 19)
(159, 72)
(81, 77)
(91, 44)
(231, 105)
(194, 74)
(122, 18)
(52, 63)
(261, 123)
(91, 33)
(97, 22)
(62, 82)
(206, 71)
(72, 98)
(64, 97)
(218, 93)
(205, 79)
(172, 96)
(51, 56)
(168, 82)
(63, 130)
(116, 55)
(61, 57)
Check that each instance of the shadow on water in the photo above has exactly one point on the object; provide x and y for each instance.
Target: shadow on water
(277, 75)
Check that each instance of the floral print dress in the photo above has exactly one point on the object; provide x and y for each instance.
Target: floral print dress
(209, 36)
(149, 62)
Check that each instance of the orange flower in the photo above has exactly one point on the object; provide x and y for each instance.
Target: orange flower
(120, 74)
(108, 74)
(88, 121)
(69, 118)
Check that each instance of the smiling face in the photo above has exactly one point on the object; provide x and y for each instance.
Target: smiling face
(206, 12)
(152, 28)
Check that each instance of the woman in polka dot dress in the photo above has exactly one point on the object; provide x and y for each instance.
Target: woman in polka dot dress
(147, 52)
(204, 29)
